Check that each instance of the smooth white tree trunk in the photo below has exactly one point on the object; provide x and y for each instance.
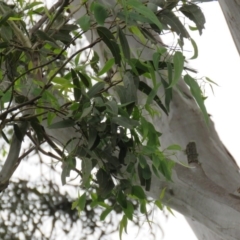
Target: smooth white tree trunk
(231, 11)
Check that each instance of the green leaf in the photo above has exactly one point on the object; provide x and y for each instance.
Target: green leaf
(156, 60)
(145, 11)
(194, 13)
(105, 182)
(45, 37)
(162, 194)
(110, 41)
(108, 65)
(94, 62)
(129, 210)
(168, 93)
(100, 12)
(62, 81)
(82, 202)
(195, 48)
(87, 166)
(148, 35)
(123, 225)
(125, 122)
(159, 204)
(174, 147)
(77, 89)
(84, 22)
(197, 94)
(211, 81)
(143, 208)
(132, 18)
(170, 210)
(4, 137)
(95, 89)
(148, 184)
(93, 139)
(6, 33)
(143, 87)
(168, 18)
(86, 111)
(155, 161)
(165, 167)
(147, 173)
(38, 128)
(122, 200)
(62, 124)
(138, 192)
(178, 63)
(142, 161)
(124, 43)
(136, 31)
(85, 79)
(18, 132)
(105, 213)
(113, 107)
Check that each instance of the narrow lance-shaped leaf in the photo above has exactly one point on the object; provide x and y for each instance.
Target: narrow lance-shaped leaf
(143, 87)
(123, 225)
(110, 41)
(85, 79)
(100, 12)
(105, 213)
(62, 124)
(18, 132)
(108, 65)
(44, 36)
(170, 19)
(145, 11)
(178, 63)
(77, 88)
(195, 48)
(197, 94)
(4, 137)
(124, 43)
(194, 13)
(37, 128)
(125, 122)
(95, 89)
(138, 192)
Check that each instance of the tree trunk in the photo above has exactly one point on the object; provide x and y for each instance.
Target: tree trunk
(231, 11)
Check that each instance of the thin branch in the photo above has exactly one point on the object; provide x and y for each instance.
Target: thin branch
(19, 106)
(12, 159)
(45, 17)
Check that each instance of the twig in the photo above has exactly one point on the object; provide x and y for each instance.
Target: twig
(45, 17)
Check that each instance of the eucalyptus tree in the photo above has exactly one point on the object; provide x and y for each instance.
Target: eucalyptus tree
(122, 104)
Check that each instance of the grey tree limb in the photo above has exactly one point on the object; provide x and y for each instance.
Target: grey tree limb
(11, 161)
